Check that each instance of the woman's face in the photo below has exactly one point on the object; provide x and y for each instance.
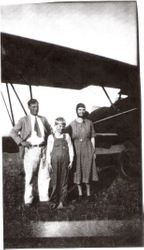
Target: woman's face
(81, 112)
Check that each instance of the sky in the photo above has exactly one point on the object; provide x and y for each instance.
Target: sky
(103, 28)
(107, 29)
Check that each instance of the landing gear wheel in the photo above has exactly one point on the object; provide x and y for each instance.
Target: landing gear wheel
(129, 164)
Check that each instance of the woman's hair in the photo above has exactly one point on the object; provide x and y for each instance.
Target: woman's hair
(80, 105)
(60, 120)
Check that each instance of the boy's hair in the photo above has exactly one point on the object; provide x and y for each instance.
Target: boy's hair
(60, 120)
(32, 101)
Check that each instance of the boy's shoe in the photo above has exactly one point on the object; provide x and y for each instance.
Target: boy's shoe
(27, 205)
(43, 203)
(90, 198)
(80, 199)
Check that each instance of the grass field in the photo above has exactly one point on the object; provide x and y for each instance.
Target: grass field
(114, 198)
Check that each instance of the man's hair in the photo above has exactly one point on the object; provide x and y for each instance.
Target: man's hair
(32, 101)
(60, 120)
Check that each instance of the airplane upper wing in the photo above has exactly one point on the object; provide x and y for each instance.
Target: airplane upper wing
(26, 61)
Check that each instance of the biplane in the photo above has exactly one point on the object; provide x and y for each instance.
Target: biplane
(118, 128)
(114, 215)
(118, 148)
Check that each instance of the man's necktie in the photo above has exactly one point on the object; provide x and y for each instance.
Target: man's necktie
(37, 128)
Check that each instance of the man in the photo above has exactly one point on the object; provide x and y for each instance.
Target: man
(30, 133)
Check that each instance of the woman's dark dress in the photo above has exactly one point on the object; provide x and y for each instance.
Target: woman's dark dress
(81, 134)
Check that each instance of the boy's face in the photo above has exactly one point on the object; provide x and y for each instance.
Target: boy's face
(59, 127)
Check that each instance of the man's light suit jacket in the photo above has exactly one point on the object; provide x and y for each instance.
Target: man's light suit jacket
(22, 131)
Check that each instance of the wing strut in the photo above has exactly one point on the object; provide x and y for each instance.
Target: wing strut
(30, 88)
(7, 108)
(108, 97)
(13, 121)
(18, 99)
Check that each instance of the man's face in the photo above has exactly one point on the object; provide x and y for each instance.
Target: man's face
(81, 112)
(34, 108)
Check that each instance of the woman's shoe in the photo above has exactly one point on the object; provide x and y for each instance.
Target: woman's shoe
(60, 206)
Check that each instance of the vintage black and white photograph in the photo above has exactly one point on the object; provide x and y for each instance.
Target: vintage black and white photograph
(71, 124)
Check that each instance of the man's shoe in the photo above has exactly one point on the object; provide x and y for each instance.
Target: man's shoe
(27, 205)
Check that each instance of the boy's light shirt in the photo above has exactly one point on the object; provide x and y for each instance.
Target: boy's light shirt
(34, 139)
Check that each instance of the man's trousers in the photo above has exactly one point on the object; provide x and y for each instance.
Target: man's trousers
(34, 163)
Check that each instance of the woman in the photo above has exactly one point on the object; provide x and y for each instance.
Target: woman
(82, 133)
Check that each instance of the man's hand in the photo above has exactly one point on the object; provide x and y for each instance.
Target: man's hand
(50, 167)
(42, 144)
(26, 144)
(70, 165)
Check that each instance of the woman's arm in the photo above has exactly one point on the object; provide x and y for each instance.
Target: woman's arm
(92, 135)
(93, 142)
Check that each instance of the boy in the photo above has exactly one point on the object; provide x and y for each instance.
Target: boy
(59, 159)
